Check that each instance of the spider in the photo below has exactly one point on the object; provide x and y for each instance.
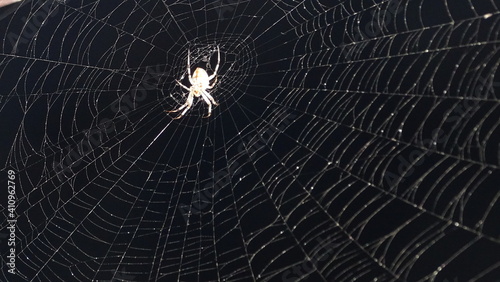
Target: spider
(200, 83)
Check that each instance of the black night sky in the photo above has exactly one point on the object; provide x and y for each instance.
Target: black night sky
(352, 141)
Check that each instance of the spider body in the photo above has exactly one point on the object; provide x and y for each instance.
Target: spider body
(200, 80)
(200, 83)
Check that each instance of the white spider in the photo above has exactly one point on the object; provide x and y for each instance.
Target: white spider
(200, 82)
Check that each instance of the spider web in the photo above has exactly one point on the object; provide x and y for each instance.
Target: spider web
(354, 140)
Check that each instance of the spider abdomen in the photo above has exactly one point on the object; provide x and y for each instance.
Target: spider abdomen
(200, 78)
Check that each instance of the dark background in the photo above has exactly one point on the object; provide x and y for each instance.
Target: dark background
(354, 140)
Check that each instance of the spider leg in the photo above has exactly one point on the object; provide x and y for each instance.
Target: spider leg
(187, 106)
(183, 112)
(206, 94)
(184, 86)
(217, 66)
(178, 109)
(189, 67)
(205, 97)
(189, 63)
